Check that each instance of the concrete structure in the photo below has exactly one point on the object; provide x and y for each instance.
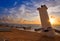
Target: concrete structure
(46, 26)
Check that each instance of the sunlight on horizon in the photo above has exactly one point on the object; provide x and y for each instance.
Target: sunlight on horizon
(52, 21)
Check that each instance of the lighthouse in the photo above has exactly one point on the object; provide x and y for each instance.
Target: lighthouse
(47, 29)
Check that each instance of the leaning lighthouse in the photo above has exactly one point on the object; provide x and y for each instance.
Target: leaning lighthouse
(47, 29)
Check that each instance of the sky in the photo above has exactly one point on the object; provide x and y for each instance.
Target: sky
(25, 11)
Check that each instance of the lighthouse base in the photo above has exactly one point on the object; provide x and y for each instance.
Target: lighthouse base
(48, 32)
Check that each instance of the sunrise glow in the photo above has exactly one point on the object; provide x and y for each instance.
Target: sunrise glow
(52, 20)
(25, 11)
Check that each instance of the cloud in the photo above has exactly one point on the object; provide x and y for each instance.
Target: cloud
(15, 3)
(28, 10)
(55, 9)
(17, 13)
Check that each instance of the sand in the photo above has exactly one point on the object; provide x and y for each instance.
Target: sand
(21, 35)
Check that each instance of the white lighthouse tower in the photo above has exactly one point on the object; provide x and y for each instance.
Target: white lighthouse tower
(46, 26)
